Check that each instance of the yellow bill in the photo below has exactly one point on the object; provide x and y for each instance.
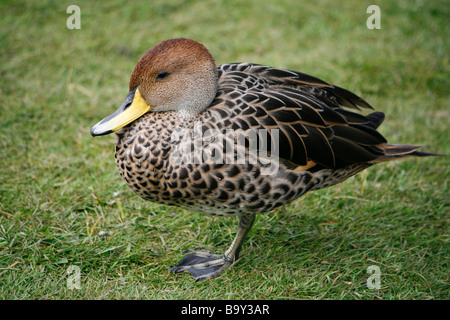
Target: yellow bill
(131, 109)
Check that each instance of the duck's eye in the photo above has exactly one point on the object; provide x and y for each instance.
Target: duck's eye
(162, 75)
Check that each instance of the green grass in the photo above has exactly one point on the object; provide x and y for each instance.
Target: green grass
(63, 203)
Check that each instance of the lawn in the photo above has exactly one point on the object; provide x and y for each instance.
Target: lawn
(63, 203)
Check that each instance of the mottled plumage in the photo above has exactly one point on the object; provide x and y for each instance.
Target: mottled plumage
(320, 140)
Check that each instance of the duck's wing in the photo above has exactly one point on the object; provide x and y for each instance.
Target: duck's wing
(312, 116)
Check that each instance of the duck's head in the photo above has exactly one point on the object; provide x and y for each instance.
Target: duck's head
(175, 75)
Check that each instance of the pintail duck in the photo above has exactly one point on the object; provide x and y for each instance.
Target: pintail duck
(288, 132)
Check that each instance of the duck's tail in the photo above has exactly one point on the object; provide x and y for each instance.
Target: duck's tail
(400, 151)
(394, 151)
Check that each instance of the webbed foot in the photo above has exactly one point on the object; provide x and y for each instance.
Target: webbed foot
(202, 265)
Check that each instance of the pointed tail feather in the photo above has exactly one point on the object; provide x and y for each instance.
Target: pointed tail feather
(399, 151)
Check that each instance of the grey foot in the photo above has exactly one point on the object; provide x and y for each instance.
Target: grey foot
(202, 265)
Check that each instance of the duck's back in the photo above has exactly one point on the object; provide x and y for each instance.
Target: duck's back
(312, 116)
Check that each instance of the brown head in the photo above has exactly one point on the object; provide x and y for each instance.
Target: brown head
(175, 75)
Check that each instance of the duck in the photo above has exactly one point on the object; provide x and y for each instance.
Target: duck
(238, 139)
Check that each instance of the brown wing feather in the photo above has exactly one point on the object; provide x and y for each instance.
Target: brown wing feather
(309, 113)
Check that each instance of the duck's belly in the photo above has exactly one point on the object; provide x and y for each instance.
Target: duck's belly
(212, 188)
(217, 189)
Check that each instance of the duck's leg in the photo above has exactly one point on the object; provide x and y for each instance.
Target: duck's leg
(203, 265)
